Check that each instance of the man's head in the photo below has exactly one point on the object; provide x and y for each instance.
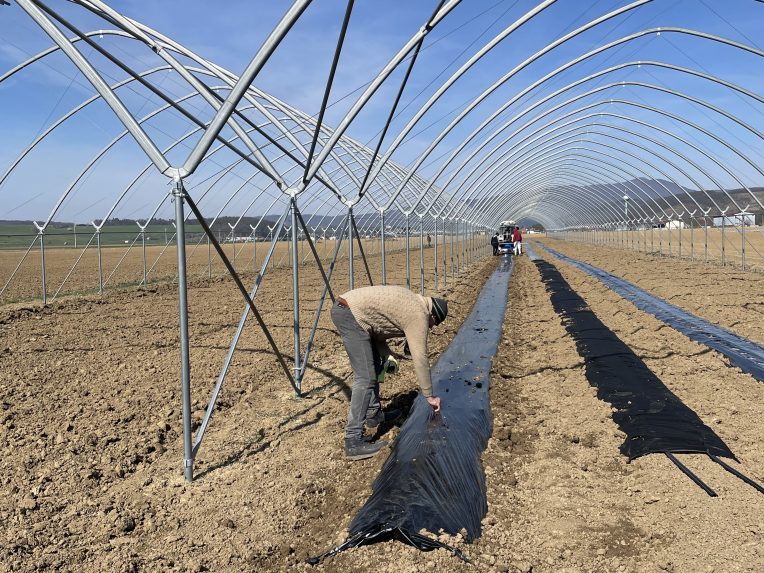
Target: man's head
(438, 310)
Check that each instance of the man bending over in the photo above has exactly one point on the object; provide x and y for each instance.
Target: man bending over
(365, 318)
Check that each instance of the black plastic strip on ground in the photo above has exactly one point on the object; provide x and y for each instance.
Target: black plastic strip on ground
(433, 478)
(653, 418)
(743, 353)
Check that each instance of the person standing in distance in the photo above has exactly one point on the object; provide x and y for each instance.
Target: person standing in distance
(365, 318)
(517, 240)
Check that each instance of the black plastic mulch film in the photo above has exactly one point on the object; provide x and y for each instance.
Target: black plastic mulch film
(659, 422)
(433, 479)
(746, 355)
(653, 418)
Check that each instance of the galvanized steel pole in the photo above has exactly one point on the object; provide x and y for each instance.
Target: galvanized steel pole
(670, 252)
(185, 362)
(705, 232)
(254, 248)
(453, 268)
(41, 232)
(143, 245)
(435, 255)
(235, 340)
(724, 224)
(464, 244)
(661, 225)
(681, 227)
(445, 267)
(296, 297)
(382, 245)
(209, 259)
(692, 236)
(472, 241)
(742, 241)
(100, 263)
(408, 253)
(351, 274)
(421, 256)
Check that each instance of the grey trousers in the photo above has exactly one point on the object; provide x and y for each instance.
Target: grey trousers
(366, 364)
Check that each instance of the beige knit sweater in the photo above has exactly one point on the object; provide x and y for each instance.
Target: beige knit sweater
(393, 311)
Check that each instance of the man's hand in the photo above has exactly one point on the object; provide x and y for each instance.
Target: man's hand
(434, 401)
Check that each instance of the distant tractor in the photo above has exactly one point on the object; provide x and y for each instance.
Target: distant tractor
(505, 236)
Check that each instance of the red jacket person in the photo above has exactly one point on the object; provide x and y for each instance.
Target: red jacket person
(517, 241)
(365, 318)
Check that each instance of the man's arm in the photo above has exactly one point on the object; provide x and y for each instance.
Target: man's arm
(417, 339)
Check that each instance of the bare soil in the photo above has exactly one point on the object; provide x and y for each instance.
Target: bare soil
(70, 271)
(91, 479)
(576, 504)
(727, 296)
(733, 246)
(90, 473)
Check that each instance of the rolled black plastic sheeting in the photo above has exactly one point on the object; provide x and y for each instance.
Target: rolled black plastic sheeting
(653, 418)
(433, 479)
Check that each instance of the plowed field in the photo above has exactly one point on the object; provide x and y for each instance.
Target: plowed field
(90, 464)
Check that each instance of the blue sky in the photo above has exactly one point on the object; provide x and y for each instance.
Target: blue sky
(230, 32)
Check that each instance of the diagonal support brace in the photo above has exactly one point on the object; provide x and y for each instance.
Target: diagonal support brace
(240, 285)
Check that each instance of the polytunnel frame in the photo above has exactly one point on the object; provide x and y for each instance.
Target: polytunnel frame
(41, 228)
(85, 37)
(648, 175)
(137, 76)
(590, 201)
(35, 10)
(659, 129)
(567, 155)
(474, 59)
(240, 89)
(618, 41)
(734, 149)
(488, 199)
(656, 30)
(580, 96)
(30, 147)
(576, 138)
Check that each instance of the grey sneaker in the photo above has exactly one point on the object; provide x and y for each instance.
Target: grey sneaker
(381, 416)
(360, 450)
